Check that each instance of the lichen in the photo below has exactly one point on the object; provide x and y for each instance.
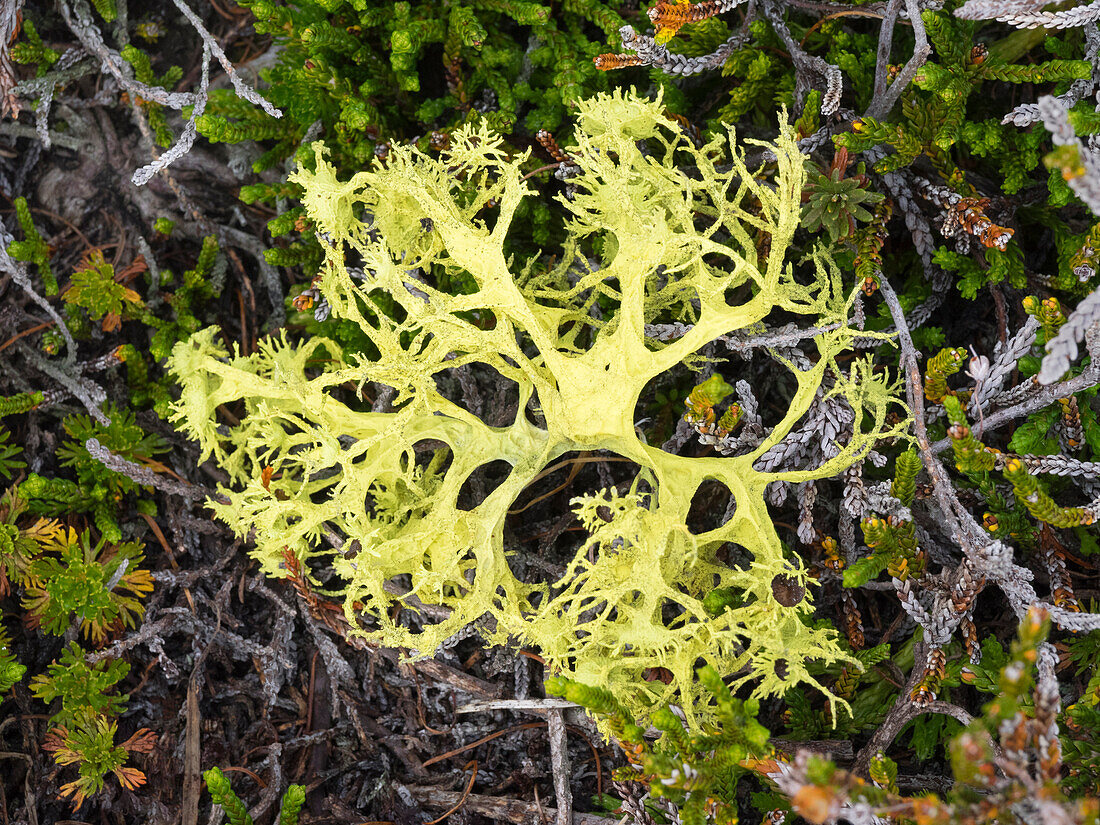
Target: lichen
(327, 455)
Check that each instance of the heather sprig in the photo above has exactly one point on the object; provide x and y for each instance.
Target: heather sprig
(100, 587)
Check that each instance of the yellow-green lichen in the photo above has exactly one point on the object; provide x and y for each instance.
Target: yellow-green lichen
(602, 622)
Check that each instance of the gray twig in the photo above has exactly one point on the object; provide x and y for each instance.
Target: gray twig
(559, 761)
(142, 475)
(883, 103)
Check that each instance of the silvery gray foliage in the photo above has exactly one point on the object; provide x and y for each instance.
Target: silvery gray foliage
(750, 407)
(633, 797)
(680, 437)
(880, 501)
(1071, 620)
(807, 495)
(834, 87)
(877, 459)
(859, 317)
(854, 499)
(1005, 356)
(1028, 14)
(744, 341)
(783, 339)
(916, 605)
(656, 55)
(846, 534)
(1028, 113)
(994, 561)
(1055, 465)
(667, 332)
(806, 66)
(1056, 120)
(80, 22)
(776, 493)
(827, 421)
(187, 137)
(858, 499)
(920, 231)
(1062, 349)
(70, 68)
(1016, 394)
(903, 197)
(18, 273)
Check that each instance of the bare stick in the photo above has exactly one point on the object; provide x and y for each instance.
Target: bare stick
(1043, 397)
(19, 275)
(559, 762)
(885, 40)
(143, 475)
(882, 104)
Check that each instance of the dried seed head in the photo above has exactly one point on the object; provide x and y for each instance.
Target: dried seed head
(787, 591)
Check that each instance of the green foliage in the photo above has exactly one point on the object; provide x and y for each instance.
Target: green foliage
(13, 405)
(860, 683)
(645, 560)
(884, 772)
(758, 84)
(101, 586)
(32, 249)
(1000, 266)
(601, 702)
(94, 289)
(9, 463)
(144, 391)
(940, 366)
(1030, 491)
(1031, 438)
(97, 489)
(90, 745)
(893, 541)
(19, 546)
(989, 783)
(356, 72)
(836, 203)
(65, 580)
(221, 792)
(293, 800)
(81, 687)
(11, 671)
(935, 121)
(154, 112)
(107, 9)
(197, 286)
(905, 474)
(340, 61)
(971, 456)
(1049, 313)
(692, 770)
(928, 732)
(32, 50)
